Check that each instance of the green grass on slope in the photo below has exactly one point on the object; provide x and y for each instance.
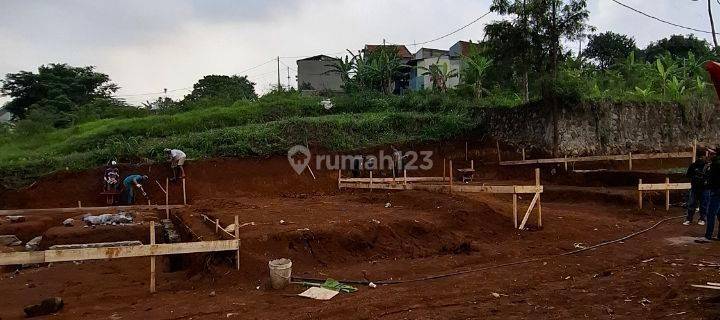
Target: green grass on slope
(244, 131)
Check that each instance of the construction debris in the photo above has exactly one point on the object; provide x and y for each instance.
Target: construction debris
(33, 244)
(318, 293)
(69, 222)
(47, 306)
(16, 219)
(9, 240)
(171, 233)
(108, 218)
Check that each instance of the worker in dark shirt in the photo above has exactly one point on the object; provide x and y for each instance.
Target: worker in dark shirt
(714, 189)
(697, 172)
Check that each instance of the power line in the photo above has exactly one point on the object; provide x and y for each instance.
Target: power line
(453, 32)
(660, 19)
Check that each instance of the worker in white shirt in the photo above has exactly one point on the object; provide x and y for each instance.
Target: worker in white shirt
(177, 160)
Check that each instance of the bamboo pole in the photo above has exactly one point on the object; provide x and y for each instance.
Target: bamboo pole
(640, 195)
(451, 177)
(515, 209)
(184, 193)
(539, 203)
(152, 258)
(237, 237)
(667, 193)
(167, 198)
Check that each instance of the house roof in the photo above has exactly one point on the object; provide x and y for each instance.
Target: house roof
(465, 46)
(320, 57)
(402, 51)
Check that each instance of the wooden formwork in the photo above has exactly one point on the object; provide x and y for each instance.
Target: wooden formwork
(425, 183)
(667, 187)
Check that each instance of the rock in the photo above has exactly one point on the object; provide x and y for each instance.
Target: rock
(47, 306)
(69, 222)
(16, 219)
(33, 244)
(112, 219)
(9, 240)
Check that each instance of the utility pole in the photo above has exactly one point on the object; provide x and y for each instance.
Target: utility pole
(712, 24)
(278, 73)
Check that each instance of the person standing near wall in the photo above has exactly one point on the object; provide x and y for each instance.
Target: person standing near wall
(177, 160)
(697, 198)
(714, 193)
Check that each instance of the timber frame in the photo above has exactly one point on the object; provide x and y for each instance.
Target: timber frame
(667, 186)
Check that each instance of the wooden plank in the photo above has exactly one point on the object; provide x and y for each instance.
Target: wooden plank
(167, 198)
(706, 286)
(13, 258)
(237, 237)
(152, 258)
(409, 179)
(452, 177)
(459, 188)
(184, 193)
(667, 194)
(10, 212)
(663, 186)
(539, 202)
(667, 155)
(529, 210)
(640, 195)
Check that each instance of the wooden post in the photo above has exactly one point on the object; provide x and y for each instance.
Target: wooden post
(515, 211)
(523, 153)
(466, 150)
(565, 161)
(184, 194)
(539, 204)
(339, 177)
(167, 198)
(667, 193)
(640, 195)
(79, 204)
(371, 182)
(694, 150)
(237, 237)
(444, 160)
(152, 258)
(472, 164)
(498, 151)
(217, 225)
(405, 178)
(451, 177)
(630, 161)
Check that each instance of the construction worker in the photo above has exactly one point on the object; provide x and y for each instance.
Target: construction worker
(134, 181)
(698, 172)
(177, 160)
(112, 177)
(713, 187)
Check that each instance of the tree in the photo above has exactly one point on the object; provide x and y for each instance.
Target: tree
(230, 88)
(475, 67)
(545, 23)
(608, 48)
(56, 89)
(678, 46)
(439, 74)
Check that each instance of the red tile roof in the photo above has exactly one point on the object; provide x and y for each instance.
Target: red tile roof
(402, 51)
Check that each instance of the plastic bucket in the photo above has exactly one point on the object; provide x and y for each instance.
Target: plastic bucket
(280, 272)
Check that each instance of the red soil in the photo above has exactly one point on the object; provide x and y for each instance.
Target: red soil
(352, 235)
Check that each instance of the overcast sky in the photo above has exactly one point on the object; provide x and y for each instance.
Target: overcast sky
(146, 46)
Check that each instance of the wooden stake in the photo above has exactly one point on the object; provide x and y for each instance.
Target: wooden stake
(237, 237)
(630, 161)
(79, 204)
(523, 154)
(640, 195)
(152, 258)
(529, 210)
(472, 164)
(184, 193)
(539, 203)
(497, 143)
(694, 150)
(339, 177)
(405, 178)
(565, 161)
(444, 160)
(515, 209)
(217, 225)
(167, 198)
(451, 177)
(466, 150)
(667, 193)
(371, 182)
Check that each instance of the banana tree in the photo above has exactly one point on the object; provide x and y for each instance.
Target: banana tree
(475, 68)
(439, 74)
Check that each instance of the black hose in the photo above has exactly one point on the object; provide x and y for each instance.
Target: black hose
(509, 264)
